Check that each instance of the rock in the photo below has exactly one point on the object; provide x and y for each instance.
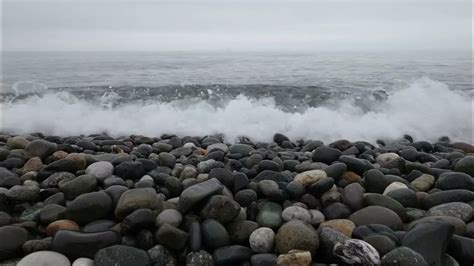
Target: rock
(8, 179)
(326, 154)
(83, 262)
(230, 255)
(465, 165)
(245, 197)
(35, 245)
(5, 219)
(373, 199)
(404, 196)
(423, 182)
(403, 256)
(389, 160)
(459, 225)
(263, 259)
(17, 142)
(214, 234)
(40, 148)
(23, 193)
(453, 180)
(377, 215)
(54, 179)
(121, 255)
(171, 237)
(195, 236)
(430, 239)
(12, 238)
(353, 196)
(393, 187)
(461, 249)
(336, 210)
(89, 207)
(296, 234)
(242, 149)
(382, 243)
(296, 258)
(44, 258)
(33, 164)
(375, 181)
(239, 231)
(55, 226)
(170, 216)
(296, 213)
(357, 165)
(336, 170)
(100, 170)
(204, 167)
(268, 187)
(77, 186)
(455, 195)
(62, 165)
(133, 199)
(262, 239)
(130, 169)
(218, 146)
(199, 258)
(138, 220)
(355, 251)
(51, 213)
(271, 175)
(159, 255)
(319, 188)
(459, 210)
(222, 208)
(270, 215)
(197, 193)
(309, 177)
(76, 244)
(344, 226)
(317, 217)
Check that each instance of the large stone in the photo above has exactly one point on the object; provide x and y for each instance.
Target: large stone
(231, 255)
(8, 179)
(357, 165)
(12, 239)
(353, 196)
(465, 165)
(130, 170)
(326, 154)
(214, 234)
(373, 199)
(40, 148)
(309, 177)
(294, 258)
(17, 142)
(403, 256)
(375, 181)
(270, 215)
(296, 234)
(23, 193)
(89, 207)
(377, 215)
(222, 208)
(459, 210)
(171, 237)
(44, 258)
(453, 180)
(262, 239)
(441, 197)
(77, 186)
(119, 255)
(459, 225)
(76, 244)
(461, 249)
(100, 170)
(134, 199)
(356, 251)
(196, 193)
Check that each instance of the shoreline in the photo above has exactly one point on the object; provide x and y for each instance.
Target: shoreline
(168, 200)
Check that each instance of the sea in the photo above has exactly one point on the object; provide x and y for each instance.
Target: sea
(304, 95)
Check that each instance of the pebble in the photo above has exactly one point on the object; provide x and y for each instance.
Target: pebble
(309, 177)
(172, 217)
(344, 226)
(133, 199)
(459, 210)
(355, 251)
(231, 255)
(465, 165)
(198, 192)
(55, 226)
(222, 208)
(403, 256)
(100, 170)
(23, 193)
(261, 240)
(296, 234)
(198, 258)
(83, 262)
(171, 237)
(214, 234)
(160, 255)
(44, 258)
(423, 182)
(119, 255)
(294, 258)
(77, 186)
(76, 244)
(89, 207)
(377, 215)
(13, 237)
(270, 215)
(296, 213)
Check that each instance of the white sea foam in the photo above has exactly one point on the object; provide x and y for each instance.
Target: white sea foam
(426, 110)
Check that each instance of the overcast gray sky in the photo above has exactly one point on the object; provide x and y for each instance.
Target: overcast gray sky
(237, 25)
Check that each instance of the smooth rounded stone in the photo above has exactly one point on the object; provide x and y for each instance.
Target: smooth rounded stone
(317, 217)
(455, 195)
(270, 215)
(222, 208)
(5, 219)
(377, 215)
(295, 189)
(224, 175)
(394, 186)
(195, 236)
(76, 244)
(77, 186)
(415, 214)
(171, 237)
(296, 213)
(18, 142)
(430, 239)
(218, 146)
(336, 210)
(295, 257)
(170, 216)
(12, 239)
(196, 193)
(35, 245)
(403, 256)
(83, 262)
(261, 240)
(270, 175)
(356, 251)
(454, 180)
(388, 160)
(423, 182)
(188, 172)
(268, 187)
(245, 197)
(65, 224)
(239, 231)
(459, 210)
(320, 187)
(40, 148)
(309, 177)
(253, 160)
(357, 165)
(44, 258)
(330, 197)
(204, 167)
(336, 170)
(461, 249)
(23, 193)
(114, 181)
(268, 165)
(100, 170)
(51, 213)
(326, 154)
(382, 243)
(344, 226)
(8, 179)
(404, 196)
(230, 255)
(373, 199)
(121, 255)
(242, 149)
(133, 199)
(353, 196)
(459, 225)
(296, 234)
(89, 207)
(465, 165)
(200, 257)
(62, 165)
(33, 164)
(57, 198)
(160, 255)
(115, 192)
(214, 234)
(137, 220)
(375, 181)
(130, 169)
(263, 259)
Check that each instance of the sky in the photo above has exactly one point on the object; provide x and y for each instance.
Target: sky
(259, 25)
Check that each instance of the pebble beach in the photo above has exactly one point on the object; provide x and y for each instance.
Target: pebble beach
(199, 200)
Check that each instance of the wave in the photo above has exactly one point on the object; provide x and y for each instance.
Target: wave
(425, 109)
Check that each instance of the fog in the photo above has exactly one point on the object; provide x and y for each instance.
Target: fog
(236, 25)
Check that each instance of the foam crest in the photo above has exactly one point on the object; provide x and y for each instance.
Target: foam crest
(426, 110)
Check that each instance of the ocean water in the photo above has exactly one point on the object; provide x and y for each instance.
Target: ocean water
(326, 96)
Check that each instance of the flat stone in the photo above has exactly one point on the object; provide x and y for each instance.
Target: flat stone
(377, 215)
(459, 210)
(76, 244)
(196, 193)
(119, 255)
(89, 207)
(139, 198)
(309, 177)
